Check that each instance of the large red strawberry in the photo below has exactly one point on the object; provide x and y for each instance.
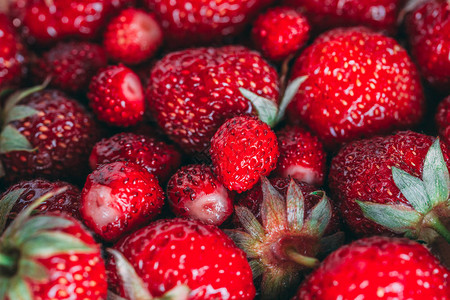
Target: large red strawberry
(243, 149)
(378, 268)
(443, 120)
(359, 83)
(170, 253)
(192, 92)
(397, 184)
(49, 256)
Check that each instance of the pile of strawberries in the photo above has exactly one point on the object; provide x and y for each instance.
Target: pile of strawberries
(225, 149)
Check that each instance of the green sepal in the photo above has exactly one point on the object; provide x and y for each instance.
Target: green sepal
(12, 140)
(330, 243)
(320, 216)
(249, 222)
(273, 208)
(113, 296)
(19, 112)
(289, 94)
(2, 172)
(257, 268)
(6, 205)
(41, 223)
(179, 292)
(267, 110)
(4, 285)
(18, 96)
(274, 284)
(32, 269)
(19, 290)
(295, 207)
(245, 242)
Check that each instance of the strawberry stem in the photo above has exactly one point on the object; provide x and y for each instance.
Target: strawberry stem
(437, 225)
(7, 261)
(310, 262)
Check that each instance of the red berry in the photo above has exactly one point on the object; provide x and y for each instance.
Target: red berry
(443, 120)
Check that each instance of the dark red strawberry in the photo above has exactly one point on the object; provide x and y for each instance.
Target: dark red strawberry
(365, 270)
(280, 32)
(71, 65)
(159, 158)
(358, 84)
(192, 92)
(397, 184)
(133, 36)
(118, 198)
(194, 192)
(170, 253)
(117, 97)
(49, 257)
(243, 149)
(443, 120)
(301, 155)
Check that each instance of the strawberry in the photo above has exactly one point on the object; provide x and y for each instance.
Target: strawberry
(397, 184)
(49, 257)
(170, 253)
(243, 149)
(428, 26)
(116, 96)
(45, 134)
(159, 158)
(192, 92)
(301, 155)
(359, 83)
(280, 32)
(194, 192)
(378, 268)
(118, 198)
(71, 65)
(443, 120)
(133, 36)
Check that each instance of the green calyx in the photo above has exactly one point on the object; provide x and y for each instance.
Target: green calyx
(428, 198)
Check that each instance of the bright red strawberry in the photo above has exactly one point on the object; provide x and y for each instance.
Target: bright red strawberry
(301, 155)
(365, 270)
(159, 158)
(428, 26)
(116, 96)
(192, 92)
(243, 149)
(280, 33)
(71, 65)
(397, 184)
(118, 198)
(194, 192)
(45, 134)
(175, 252)
(443, 120)
(133, 36)
(49, 257)
(359, 84)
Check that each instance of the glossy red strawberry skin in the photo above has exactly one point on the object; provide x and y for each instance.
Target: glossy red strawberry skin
(171, 252)
(301, 155)
(362, 171)
(359, 84)
(71, 65)
(365, 268)
(443, 120)
(280, 32)
(159, 158)
(192, 92)
(243, 149)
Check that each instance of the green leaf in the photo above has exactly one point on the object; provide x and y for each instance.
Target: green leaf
(249, 222)
(12, 140)
(19, 112)
(295, 204)
(289, 94)
(320, 215)
(19, 290)
(267, 110)
(41, 223)
(6, 205)
(245, 242)
(273, 208)
(32, 269)
(413, 189)
(435, 175)
(21, 94)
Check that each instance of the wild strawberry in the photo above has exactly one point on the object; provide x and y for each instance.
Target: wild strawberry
(443, 120)
(116, 96)
(133, 36)
(194, 192)
(170, 253)
(301, 155)
(118, 198)
(45, 134)
(280, 32)
(71, 65)
(49, 257)
(359, 83)
(243, 149)
(159, 158)
(364, 270)
(397, 184)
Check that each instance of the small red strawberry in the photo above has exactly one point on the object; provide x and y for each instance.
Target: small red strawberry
(170, 253)
(192, 92)
(378, 268)
(49, 257)
(397, 184)
(280, 33)
(118, 198)
(133, 36)
(71, 65)
(359, 83)
(116, 96)
(159, 158)
(243, 149)
(194, 192)
(301, 155)
(443, 120)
